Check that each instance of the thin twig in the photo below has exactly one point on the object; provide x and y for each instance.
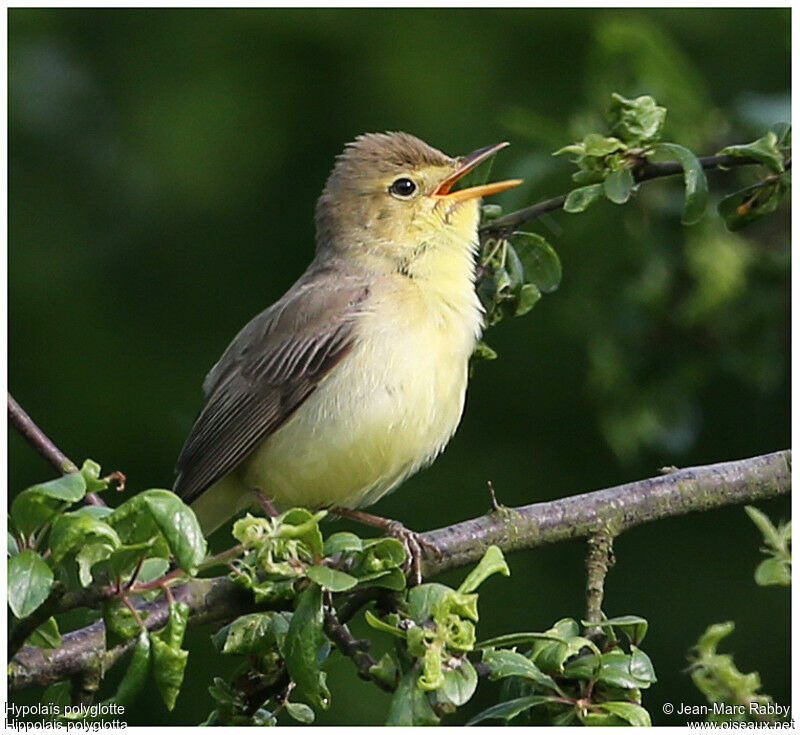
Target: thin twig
(598, 560)
(26, 426)
(353, 648)
(643, 171)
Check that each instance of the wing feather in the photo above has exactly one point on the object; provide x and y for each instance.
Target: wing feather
(269, 369)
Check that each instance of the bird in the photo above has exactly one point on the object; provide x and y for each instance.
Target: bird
(355, 378)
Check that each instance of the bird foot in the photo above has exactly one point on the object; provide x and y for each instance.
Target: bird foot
(413, 542)
(415, 545)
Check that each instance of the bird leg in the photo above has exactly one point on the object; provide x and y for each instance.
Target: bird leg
(265, 503)
(413, 542)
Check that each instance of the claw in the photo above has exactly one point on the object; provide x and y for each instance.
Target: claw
(414, 544)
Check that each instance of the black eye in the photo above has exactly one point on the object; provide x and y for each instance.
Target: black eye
(403, 187)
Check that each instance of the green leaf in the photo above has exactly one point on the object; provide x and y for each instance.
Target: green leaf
(708, 642)
(599, 145)
(618, 185)
(504, 663)
(300, 712)
(331, 579)
(248, 634)
(73, 531)
(173, 633)
(69, 488)
(90, 471)
(579, 199)
(634, 625)
(38, 504)
(764, 150)
(121, 624)
(152, 569)
(165, 513)
(630, 671)
(783, 132)
(459, 684)
(169, 659)
(716, 675)
(541, 263)
(122, 560)
(304, 640)
(754, 202)
(600, 719)
(638, 121)
(342, 542)
(773, 571)
(375, 622)
(410, 706)
(483, 352)
(765, 525)
(12, 547)
(694, 179)
(380, 564)
(47, 635)
(490, 212)
(386, 670)
(84, 535)
(169, 666)
(642, 668)
(136, 674)
(514, 266)
(528, 295)
(518, 639)
(509, 709)
(88, 556)
(393, 579)
(492, 562)
(302, 524)
(423, 599)
(29, 582)
(633, 714)
(550, 655)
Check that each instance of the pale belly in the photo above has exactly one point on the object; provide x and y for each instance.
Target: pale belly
(383, 413)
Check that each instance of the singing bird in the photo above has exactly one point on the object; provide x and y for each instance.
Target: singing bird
(355, 379)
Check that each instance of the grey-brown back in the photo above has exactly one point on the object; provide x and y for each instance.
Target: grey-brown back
(269, 369)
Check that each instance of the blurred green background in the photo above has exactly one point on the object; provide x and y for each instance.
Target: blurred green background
(163, 168)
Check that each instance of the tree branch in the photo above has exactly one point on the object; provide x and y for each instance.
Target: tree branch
(614, 510)
(42, 443)
(609, 512)
(26, 426)
(645, 170)
(598, 562)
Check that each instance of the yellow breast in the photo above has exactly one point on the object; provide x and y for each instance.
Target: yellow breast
(386, 410)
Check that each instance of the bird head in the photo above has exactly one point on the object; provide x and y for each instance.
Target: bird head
(391, 195)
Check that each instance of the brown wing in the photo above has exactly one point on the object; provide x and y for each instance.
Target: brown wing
(267, 372)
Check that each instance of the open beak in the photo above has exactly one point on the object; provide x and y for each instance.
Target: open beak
(466, 164)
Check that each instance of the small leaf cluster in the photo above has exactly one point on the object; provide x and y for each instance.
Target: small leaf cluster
(513, 273)
(282, 550)
(607, 163)
(762, 198)
(562, 677)
(718, 678)
(777, 568)
(286, 561)
(434, 630)
(58, 548)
